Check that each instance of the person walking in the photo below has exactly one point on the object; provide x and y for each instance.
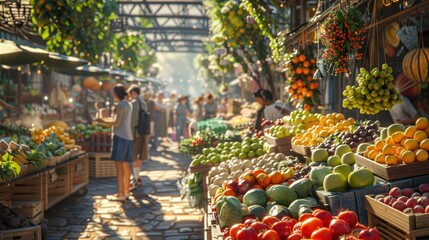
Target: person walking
(123, 146)
(210, 108)
(141, 142)
(160, 119)
(198, 113)
(181, 112)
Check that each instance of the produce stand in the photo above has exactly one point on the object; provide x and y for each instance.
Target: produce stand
(283, 145)
(203, 170)
(100, 165)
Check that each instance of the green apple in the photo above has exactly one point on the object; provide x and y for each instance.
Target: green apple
(344, 169)
(348, 158)
(334, 160)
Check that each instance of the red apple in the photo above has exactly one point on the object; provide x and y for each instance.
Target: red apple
(416, 194)
(243, 186)
(339, 228)
(411, 203)
(248, 176)
(399, 205)
(375, 234)
(419, 209)
(402, 198)
(365, 235)
(424, 187)
(407, 192)
(350, 217)
(409, 210)
(379, 196)
(427, 209)
(358, 228)
(424, 201)
(395, 192)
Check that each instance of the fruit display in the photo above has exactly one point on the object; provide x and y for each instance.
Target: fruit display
(375, 91)
(12, 129)
(240, 122)
(301, 119)
(367, 132)
(206, 139)
(248, 148)
(241, 176)
(53, 141)
(34, 109)
(311, 224)
(328, 125)
(191, 187)
(407, 200)
(302, 87)
(265, 125)
(214, 124)
(82, 132)
(280, 132)
(399, 144)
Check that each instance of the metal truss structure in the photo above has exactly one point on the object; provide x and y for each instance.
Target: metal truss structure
(168, 25)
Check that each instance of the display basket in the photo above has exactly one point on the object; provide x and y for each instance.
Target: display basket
(305, 151)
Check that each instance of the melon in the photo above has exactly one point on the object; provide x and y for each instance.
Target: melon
(255, 197)
(230, 212)
(317, 175)
(258, 211)
(302, 187)
(279, 211)
(295, 205)
(282, 194)
(407, 87)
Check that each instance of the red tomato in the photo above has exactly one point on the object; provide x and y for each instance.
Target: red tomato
(247, 234)
(310, 225)
(234, 229)
(305, 216)
(290, 221)
(226, 232)
(259, 227)
(358, 228)
(297, 227)
(339, 228)
(270, 220)
(323, 215)
(350, 217)
(322, 234)
(270, 235)
(295, 236)
(282, 228)
(249, 221)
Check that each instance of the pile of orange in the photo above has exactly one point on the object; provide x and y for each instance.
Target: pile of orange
(328, 125)
(38, 135)
(302, 86)
(409, 146)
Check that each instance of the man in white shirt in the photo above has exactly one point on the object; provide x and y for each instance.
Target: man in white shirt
(270, 111)
(405, 112)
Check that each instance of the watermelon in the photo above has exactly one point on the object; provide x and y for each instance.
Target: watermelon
(283, 195)
(296, 205)
(255, 197)
(317, 175)
(279, 211)
(270, 205)
(303, 187)
(230, 212)
(258, 211)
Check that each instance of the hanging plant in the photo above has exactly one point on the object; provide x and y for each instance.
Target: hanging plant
(343, 38)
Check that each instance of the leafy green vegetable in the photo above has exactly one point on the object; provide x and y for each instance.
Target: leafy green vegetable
(9, 169)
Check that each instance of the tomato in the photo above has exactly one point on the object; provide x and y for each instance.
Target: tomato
(310, 225)
(305, 216)
(234, 229)
(249, 221)
(282, 228)
(358, 228)
(270, 235)
(322, 234)
(370, 234)
(339, 227)
(247, 233)
(297, 227)
(295, 236)
(259, 227)
(349, 216)
(270, 220)
(226, 232)
(325, 216)
(290, 221)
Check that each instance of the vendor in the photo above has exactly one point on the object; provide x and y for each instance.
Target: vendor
(210, 107)
(59, 97)
(405, 112)
(271, 112)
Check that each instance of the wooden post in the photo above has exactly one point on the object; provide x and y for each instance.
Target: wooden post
(303, 11)
(19, 100)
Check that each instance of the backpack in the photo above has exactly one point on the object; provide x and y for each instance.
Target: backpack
(143, 127)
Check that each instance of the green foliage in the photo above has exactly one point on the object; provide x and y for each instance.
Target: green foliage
(9, 169)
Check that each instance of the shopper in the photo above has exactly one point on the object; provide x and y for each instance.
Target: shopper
(181, 112)
(405, 112)
(160, 119)
(141, 142)
(148, 94)
(198, 113)
(210, 108)
(271, 112)
(123, 146)
(171, 103)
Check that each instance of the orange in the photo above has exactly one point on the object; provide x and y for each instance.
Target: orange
(276, 177)
(407, 156)
(257, 186)
(302, 58)
(390, 160)
(420, 135)
(298, 70)
(379, 144)
(229, 192)
(295, 60)
(411, 144)
(422, 123)
(427, 130)
(389, 140)
(372, 147)
(398, 136)
(263, 180)
(380, 158)
(372, 154)
(399, 150)
(421, 155)
(425, 144)
(306, 71)
(388, 150)
(258, 171)
(329, 122)
(313, 60)
(306, 64)
(409, 132)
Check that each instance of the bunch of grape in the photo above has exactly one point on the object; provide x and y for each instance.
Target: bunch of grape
(375, 91)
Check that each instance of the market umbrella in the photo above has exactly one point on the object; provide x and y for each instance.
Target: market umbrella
(63, 61)
(15, 54)
(87, 70)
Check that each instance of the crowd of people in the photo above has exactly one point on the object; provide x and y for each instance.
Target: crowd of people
(172, 115)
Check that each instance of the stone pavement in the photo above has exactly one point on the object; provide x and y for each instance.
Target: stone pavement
(155, 211)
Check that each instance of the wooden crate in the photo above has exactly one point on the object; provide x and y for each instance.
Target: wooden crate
(402, 221)
(27, 233)
(6, 195)
(57, 186)
(395, 171)
(28, 209)
(85, 145)
(305, 151)
(38, 218)
(278, 141)
(202, 168)
(26, 169)
(100, 165)
(79, 176)
(101, 142)
(28, 190)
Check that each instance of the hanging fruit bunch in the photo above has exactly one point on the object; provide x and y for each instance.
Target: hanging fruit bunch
(375, 91)
(302, 87)
(343, 37)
